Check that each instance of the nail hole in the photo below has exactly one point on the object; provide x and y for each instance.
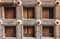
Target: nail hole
(57, 22)
(38, 22)
(37, 2)
(18, 2)
(57, 3)
(18, 22)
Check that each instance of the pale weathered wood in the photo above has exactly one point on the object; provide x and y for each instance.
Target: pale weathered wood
(38, 29)
(28, 3)
(9, 22)
(19, 31)
(57, 12)
(29, 22)
(38, 32)
(38, 11)
(48, 0)
(19, 11)
(9, 38)
(57, 16)
(0, 12)
(57, 32)
(48, 3)
(7, 1)
(28, 37)
(29, 0)
(48, 22)
(1, 32)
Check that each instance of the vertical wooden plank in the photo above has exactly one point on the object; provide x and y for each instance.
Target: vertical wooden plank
(57, 16)
(38, 29)
(1, 27)
(38, 32)
(57, 13)
(19, 31)
(38, 11)
(57, 32)
(24, 13)
(1, 32)
(0, 12)
(19, 11)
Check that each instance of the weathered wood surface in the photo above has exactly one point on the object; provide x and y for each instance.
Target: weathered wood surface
(7, 1)
(48, 3)
(57, 12)
(1, 32)
(38, 11)
(0, 12)
(19, 11)
(19, 31)
(9, 38)
(48, 22)
(38, 32)
(29, 22)
(47, 0)
(9, 22)
(57, 27)
(28, 3)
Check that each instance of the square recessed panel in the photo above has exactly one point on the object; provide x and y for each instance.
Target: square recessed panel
(48, 12)
(28, 31)
(28, 13)
(10, 12)
(48, 31)
(10, 31)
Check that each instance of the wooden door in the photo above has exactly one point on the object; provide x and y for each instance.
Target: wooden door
(10, 13)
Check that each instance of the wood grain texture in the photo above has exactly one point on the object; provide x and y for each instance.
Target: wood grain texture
(10, 13)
